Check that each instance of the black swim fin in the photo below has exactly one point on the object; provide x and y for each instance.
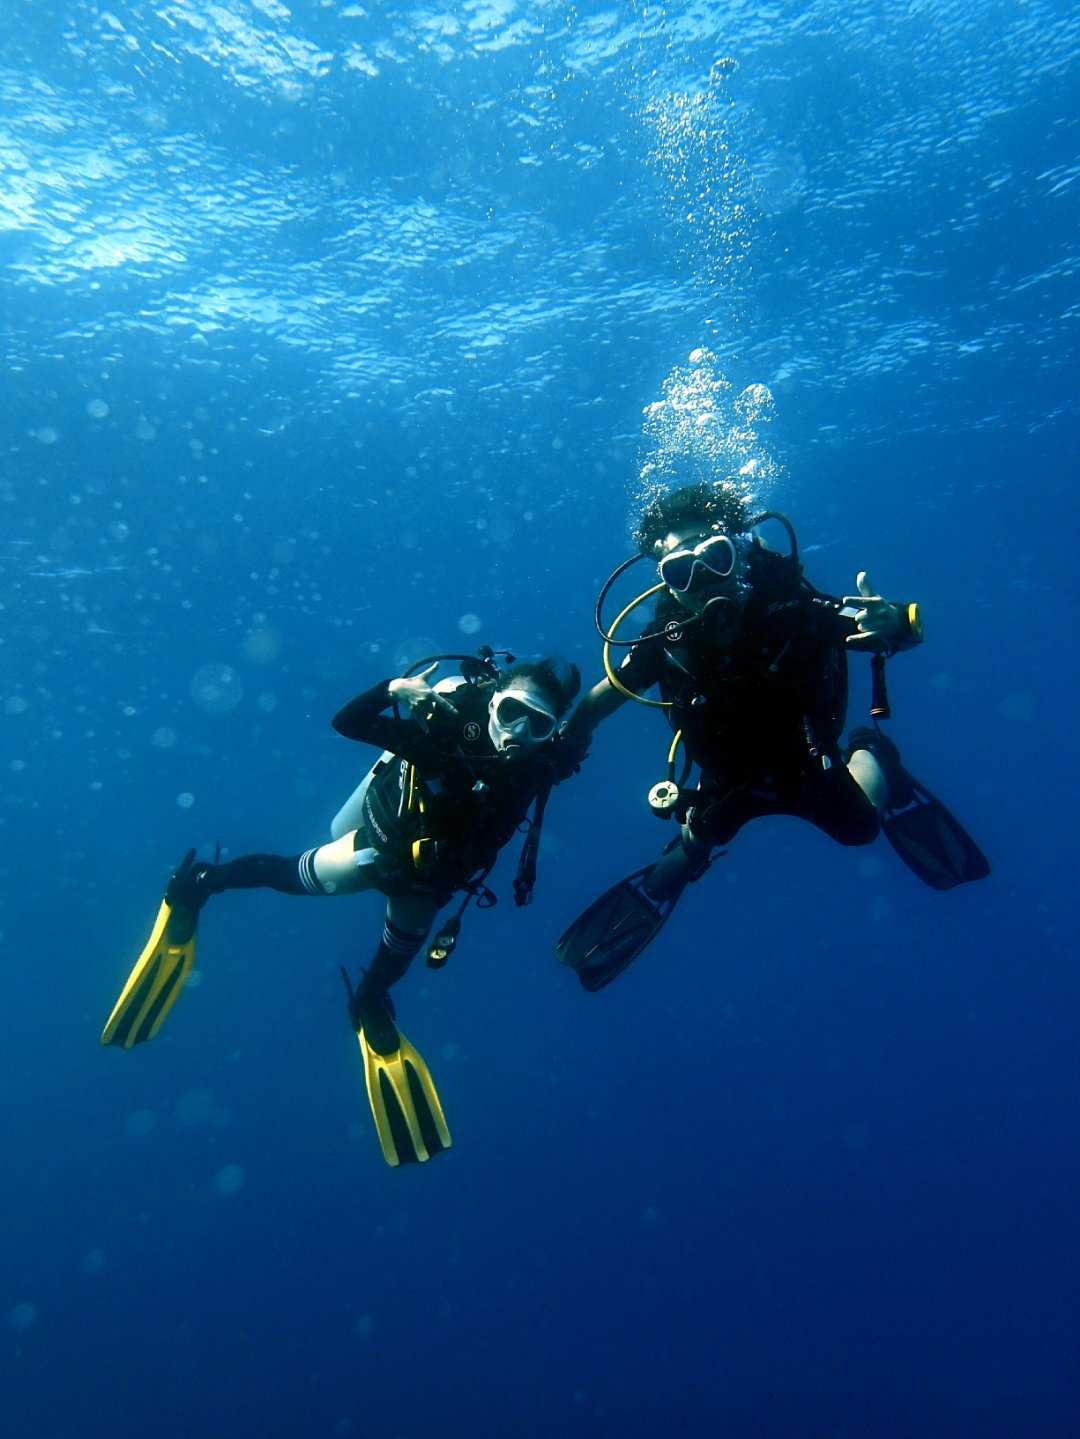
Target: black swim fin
(930, 840)
(615, 928)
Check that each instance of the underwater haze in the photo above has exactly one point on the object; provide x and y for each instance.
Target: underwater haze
(339, 334)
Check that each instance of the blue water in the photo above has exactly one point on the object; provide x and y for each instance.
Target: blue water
(339, 333)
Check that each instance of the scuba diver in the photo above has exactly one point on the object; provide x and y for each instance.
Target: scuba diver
(464, 761)
(751, 664)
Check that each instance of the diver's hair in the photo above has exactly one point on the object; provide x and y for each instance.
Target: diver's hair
(556, 679)
(722, 504)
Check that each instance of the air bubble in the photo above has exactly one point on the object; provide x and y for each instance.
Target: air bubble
(230, 1180)
(216, 688)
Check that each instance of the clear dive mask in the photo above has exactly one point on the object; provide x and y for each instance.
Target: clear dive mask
(517, 717)
(715, 558)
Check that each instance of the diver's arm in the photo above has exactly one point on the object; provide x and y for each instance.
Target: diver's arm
(569, 746)
(362, 719)
(639, 671)
(880, 624)
(867, 621)
(593, 707)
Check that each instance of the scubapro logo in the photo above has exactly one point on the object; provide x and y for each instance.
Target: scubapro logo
(471, 731)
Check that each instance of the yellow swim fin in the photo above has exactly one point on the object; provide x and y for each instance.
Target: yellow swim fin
(154, 985)
(404, 1102)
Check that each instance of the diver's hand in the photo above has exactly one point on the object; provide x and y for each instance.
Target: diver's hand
(417, 696)
(570, 751)
(878, 620)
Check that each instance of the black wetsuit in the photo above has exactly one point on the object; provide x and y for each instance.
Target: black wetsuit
(473, 798)
(761, 708)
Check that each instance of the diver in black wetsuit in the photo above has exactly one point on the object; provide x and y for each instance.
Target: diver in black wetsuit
(463, 763)
(751, 664)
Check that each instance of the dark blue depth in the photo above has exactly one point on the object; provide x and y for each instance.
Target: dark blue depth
(327, 331)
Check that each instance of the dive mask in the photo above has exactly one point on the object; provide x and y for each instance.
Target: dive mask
(713, 559)
(518, 717)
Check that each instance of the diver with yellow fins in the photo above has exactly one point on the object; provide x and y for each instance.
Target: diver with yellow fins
(464, 762)
(751, 664)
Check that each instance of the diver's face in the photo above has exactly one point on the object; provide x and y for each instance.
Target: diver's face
(697, 563)
(519, 719)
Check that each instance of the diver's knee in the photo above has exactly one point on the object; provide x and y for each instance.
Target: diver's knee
(870, 777)
(336, 868)
(412, 914)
